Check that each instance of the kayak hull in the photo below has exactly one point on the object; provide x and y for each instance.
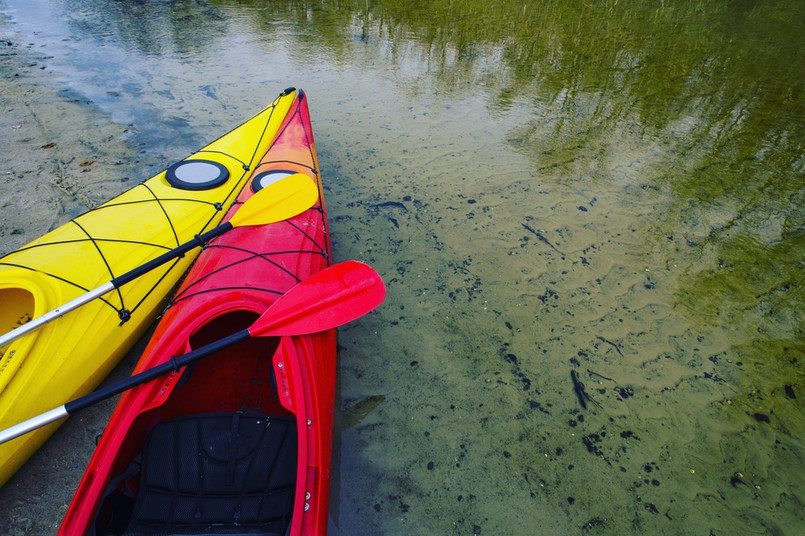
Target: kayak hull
(69, 357)
(281, 380)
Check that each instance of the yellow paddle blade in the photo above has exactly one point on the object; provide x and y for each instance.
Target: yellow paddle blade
(278, 201)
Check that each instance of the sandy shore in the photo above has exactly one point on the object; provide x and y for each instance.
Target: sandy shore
(61, 157)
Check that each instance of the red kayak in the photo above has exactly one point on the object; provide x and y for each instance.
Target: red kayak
(239, 442)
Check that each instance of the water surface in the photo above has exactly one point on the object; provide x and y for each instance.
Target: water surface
(613, 189)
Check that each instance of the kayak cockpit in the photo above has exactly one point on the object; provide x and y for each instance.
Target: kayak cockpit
(218, 455)
(17, 309)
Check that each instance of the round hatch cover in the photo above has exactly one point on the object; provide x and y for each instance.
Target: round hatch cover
(197, 174)
(261, 180)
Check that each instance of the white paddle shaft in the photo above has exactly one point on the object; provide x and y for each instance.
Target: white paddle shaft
(32, 424)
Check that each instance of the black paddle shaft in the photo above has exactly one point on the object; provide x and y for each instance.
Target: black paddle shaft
(155, 372)
(197, 241)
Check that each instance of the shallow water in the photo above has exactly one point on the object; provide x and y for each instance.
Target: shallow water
(613, 189)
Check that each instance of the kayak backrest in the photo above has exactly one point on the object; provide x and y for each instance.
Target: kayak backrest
(217, 472)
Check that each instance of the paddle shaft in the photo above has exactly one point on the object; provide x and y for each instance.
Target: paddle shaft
(118, 387)
(177, 252)
(117, 282)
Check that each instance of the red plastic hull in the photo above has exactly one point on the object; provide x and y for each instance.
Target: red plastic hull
(235, 279)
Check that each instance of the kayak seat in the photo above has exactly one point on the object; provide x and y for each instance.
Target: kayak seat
(219, 473)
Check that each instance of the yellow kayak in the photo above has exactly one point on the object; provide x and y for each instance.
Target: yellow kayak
(71, 355)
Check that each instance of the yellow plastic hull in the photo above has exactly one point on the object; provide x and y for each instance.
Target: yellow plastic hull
(70, 356)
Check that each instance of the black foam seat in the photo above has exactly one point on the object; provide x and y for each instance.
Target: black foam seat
(217, 473)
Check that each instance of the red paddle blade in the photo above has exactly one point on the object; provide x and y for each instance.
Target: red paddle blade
(325, 300)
